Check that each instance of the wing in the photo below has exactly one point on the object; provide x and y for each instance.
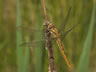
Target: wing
(33, 44)
(29, 30)
(36, 36)
(63, 25)
(63, 35)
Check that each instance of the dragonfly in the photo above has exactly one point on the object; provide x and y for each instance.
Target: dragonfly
(55, 36)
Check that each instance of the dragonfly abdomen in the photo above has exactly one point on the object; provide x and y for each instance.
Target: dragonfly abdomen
(60, 45)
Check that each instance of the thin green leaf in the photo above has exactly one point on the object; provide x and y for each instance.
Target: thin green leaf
(84, 59)
(38, 51)
(1, 15)
(26, 59)
(19, 40)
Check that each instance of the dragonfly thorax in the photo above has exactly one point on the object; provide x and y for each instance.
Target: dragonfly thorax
(50, 26)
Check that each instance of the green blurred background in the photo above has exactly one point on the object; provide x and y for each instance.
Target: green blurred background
(80, 43)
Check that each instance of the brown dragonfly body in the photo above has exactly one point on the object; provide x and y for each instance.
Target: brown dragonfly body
(55, 34)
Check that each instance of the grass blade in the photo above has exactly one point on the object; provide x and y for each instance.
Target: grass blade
(1, 15)
(84, 59)
(19, 40)
(38, 51)
(26, 59)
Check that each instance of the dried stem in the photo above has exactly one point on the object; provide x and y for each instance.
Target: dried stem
(44, 9)
(50, 53)
(48, 42)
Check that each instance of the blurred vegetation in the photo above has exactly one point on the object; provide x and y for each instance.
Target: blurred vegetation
(80, 43)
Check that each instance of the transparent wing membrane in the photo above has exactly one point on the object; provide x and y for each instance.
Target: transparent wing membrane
(28, 29)
(31, 34)
(63, 25)
(33, 44)
(63, 35)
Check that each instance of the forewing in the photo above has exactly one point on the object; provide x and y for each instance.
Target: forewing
(63, 35)
(33, 44)
(29, 30)
(63, 25)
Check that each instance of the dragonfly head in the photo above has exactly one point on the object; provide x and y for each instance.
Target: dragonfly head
(46, 23)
